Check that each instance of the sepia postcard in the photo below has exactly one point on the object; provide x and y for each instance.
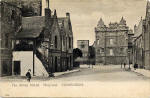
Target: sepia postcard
(75, 48)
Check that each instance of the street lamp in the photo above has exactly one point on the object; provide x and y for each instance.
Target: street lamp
(129, 58)
(50, 60)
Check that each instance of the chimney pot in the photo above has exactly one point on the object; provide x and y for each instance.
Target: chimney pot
(68, 14)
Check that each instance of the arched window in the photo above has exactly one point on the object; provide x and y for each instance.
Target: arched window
(111, 52)
(102, 50)
(55, 41)
(69, 42)
(111, 42)
(6, 41)
(97, 41)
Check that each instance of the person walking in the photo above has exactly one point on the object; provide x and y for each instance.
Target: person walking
(124, 65)
(28, 75)
(135, 66)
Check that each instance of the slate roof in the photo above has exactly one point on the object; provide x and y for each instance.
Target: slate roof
(61, 22)
(65, 22)
(139, 28)
(31, 27)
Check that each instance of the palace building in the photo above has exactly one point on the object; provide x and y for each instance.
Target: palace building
(111, 44)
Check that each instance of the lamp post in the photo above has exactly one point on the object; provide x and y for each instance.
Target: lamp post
(50, 60)
(129, 58)
(50, 46)
(129, 52)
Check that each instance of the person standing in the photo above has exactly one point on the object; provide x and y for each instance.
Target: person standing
(135, 66)
(124, 65)
(28, 75)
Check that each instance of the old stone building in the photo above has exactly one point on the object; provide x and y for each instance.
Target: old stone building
(66, 38)
(138, 44)
(10, 22)
(111, 43)
(147, 37)
(11, 15)
(43, 44)
(51, 43)
(83, 45)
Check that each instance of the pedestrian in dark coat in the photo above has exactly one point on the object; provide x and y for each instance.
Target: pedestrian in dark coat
(28, 75)
(135, 66)
(124, 65)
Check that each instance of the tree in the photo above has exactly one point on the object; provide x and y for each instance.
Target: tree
(76, 53)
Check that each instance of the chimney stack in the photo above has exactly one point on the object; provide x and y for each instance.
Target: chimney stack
(47, 10)
(47, 17)
(47, 3)
(135, 28)
(68, 15)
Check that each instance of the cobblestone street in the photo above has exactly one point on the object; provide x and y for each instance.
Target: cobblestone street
(103, 73)
(99, 81)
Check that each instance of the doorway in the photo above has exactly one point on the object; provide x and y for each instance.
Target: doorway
(16, 68)
(56, 64)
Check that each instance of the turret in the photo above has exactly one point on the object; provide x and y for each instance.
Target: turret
(148, 9)
(55, 14)
(135, 28)
(100, 23)
(122, 22)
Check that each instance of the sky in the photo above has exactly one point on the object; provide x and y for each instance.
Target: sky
(85, 14)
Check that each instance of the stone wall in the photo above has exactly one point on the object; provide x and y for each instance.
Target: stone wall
(138, 53)
(147, 37)
(147, 44)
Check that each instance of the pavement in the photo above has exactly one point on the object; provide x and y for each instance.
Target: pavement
(143, 72)
(66, 72)
(23, 78)
(101, 73)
